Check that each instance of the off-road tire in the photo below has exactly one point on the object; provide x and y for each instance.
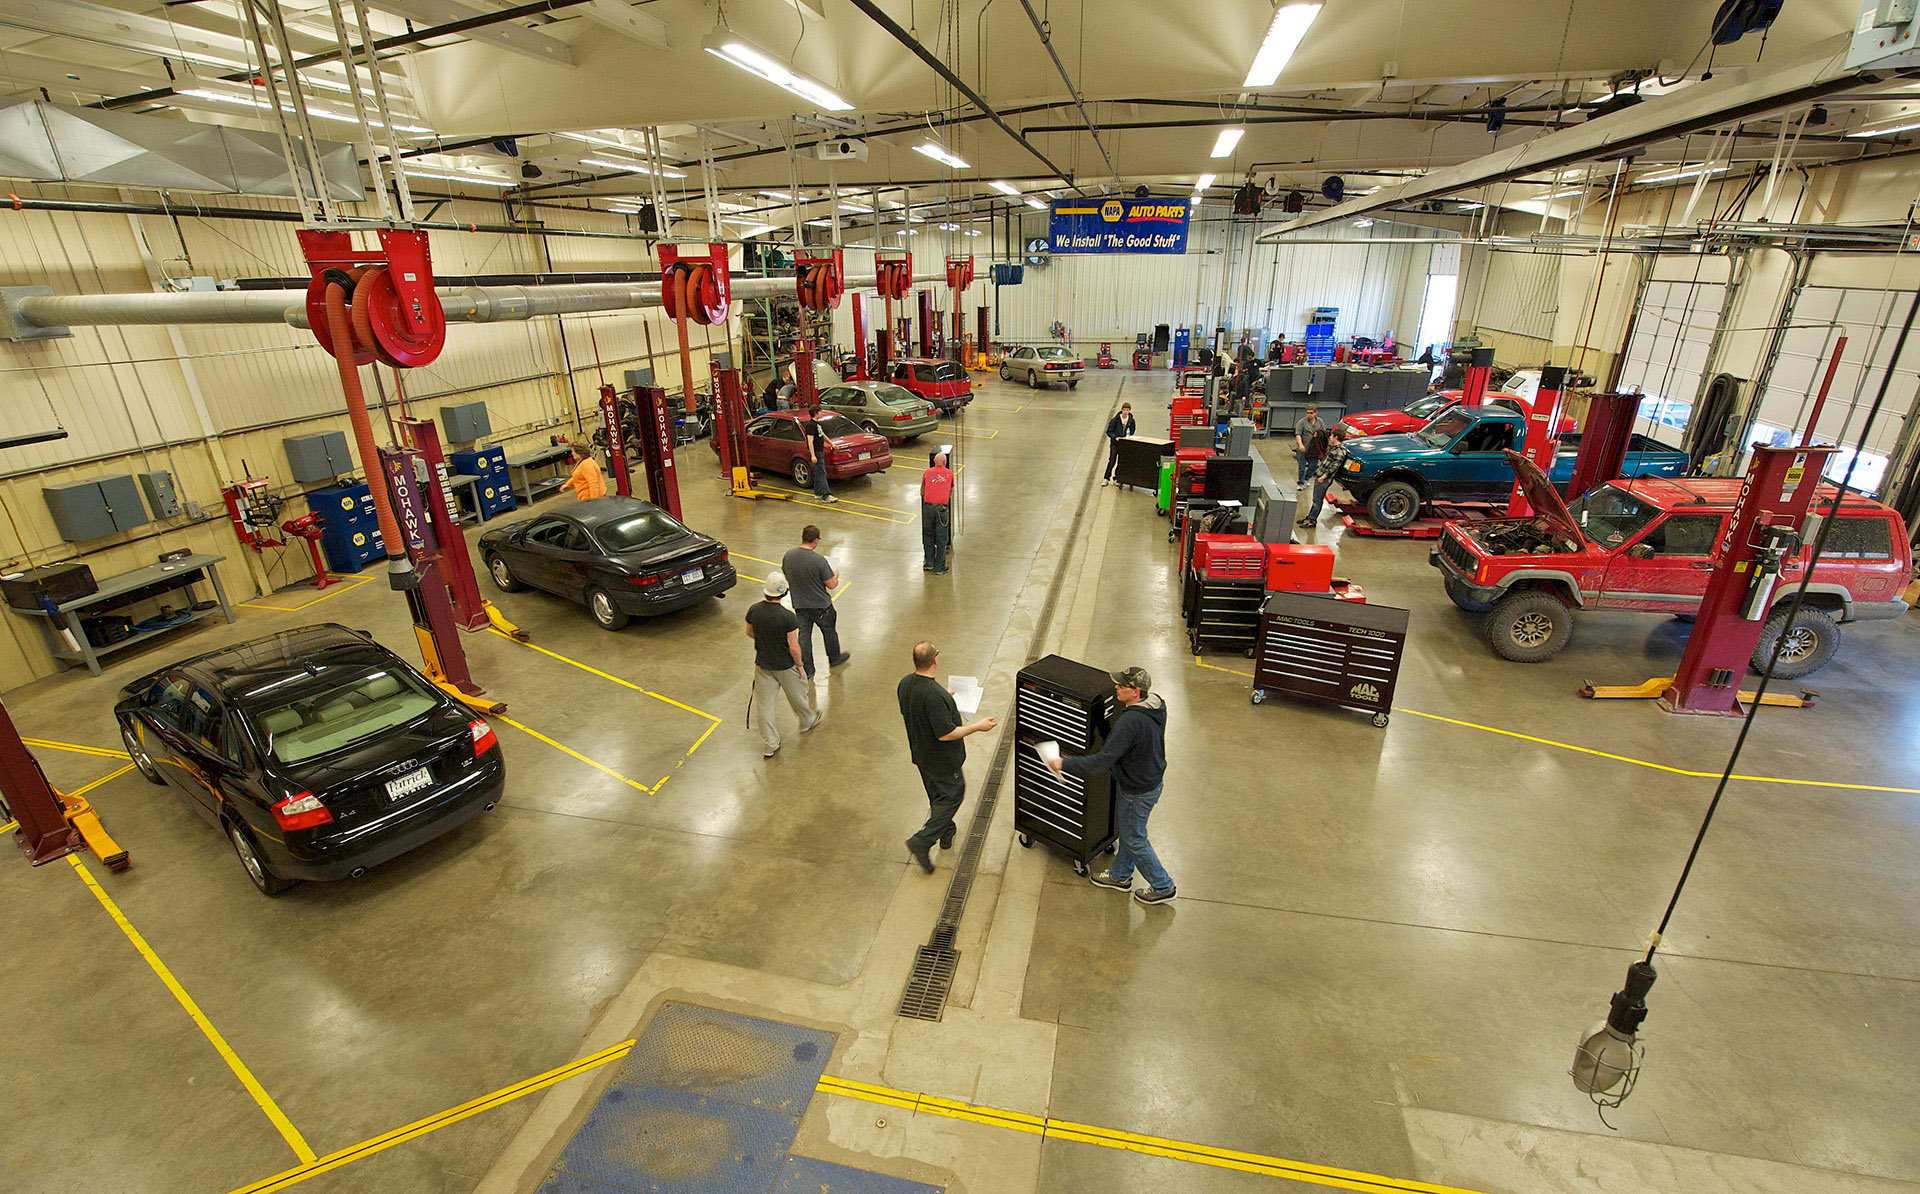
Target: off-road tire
(1815, 638)
(1528, 626)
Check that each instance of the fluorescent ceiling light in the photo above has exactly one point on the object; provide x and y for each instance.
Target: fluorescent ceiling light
(817, 223)
(631, 211)
(249, 101)
(865, 211)
(727, 46)
(1194, 199)
(1005, 188)
(723, 205)
(1283, 37)
(940, 155)
(1203, 182)
(949, 227)
(481, 179)
(1689, 172)
(1229, 138)
(1903, 123)
(1037, 204)
(975, 232)
(630, 167)
(1363, 222)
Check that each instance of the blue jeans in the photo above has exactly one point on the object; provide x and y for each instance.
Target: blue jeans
(1130, 813)
(820, 489)
(828, 621)
(1307, 465)
(1320, 485)
(936, 529)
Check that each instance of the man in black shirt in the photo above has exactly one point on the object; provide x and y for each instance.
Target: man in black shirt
(1119, 427)
(934, 732)
(776, 662)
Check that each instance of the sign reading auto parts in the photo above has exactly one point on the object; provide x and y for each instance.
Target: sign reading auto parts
(1118, 226)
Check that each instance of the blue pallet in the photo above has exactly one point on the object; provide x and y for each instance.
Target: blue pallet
(756, 1062)
(667, 1142)
(803, 1175)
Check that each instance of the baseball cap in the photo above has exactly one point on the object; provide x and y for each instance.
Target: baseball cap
(776, 584)
(1134, 677)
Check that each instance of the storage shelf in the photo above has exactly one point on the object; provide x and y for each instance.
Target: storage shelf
(132, 639)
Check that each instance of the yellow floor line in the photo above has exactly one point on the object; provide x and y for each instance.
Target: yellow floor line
(605, 676)
(597, 766)
(239, 1068)
(1588, 750)
(836, 507)
(1159, 1146)
(76, 748)
(330, 591)
(9, 827)
(972, 434)
(848, 502)
(433, 1123)
(103, 779)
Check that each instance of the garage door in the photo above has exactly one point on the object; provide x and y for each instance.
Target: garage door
(1870, 319)
(1672, 331)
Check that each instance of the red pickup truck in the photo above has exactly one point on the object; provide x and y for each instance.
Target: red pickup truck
(1647, 544)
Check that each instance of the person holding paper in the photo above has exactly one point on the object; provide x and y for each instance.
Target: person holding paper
(1136, 754)
(813, 578)
(935, 734)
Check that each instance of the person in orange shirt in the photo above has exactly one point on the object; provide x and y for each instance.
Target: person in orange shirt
(936, 513)
(586, 482)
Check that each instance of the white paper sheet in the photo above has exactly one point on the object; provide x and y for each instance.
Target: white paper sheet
(966, 694)
(1048, 750)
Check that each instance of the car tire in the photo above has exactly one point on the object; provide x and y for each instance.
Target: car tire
(1529, 626)
(502, 574)
(255, 866)
(1033, 379)
(1457, 593)
(870, 427)
(1815, 638)
(802, 473)
(1073, 385)
(608, 615)
(1393, 505)
(1004, 375)
(142, 762)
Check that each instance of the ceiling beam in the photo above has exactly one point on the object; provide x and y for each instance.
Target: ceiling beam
(126, 31)
(502, 35)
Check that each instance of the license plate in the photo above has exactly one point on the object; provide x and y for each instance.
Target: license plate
(409, 783)
(691, 576)
(866, 455)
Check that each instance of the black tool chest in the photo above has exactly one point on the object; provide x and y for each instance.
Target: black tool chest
(1059, 700)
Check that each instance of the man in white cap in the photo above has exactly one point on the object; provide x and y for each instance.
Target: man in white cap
(776, 662)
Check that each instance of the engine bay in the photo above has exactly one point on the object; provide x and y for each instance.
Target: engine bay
(1520, 536)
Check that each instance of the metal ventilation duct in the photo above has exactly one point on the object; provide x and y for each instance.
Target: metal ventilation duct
(56, 143)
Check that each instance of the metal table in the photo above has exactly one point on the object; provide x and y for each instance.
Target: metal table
(533, 458)
(129, 587)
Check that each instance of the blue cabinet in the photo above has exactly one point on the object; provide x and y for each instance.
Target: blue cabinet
(493, 494)
(349, 527)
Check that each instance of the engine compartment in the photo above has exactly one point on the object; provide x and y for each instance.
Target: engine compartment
(1529, 536)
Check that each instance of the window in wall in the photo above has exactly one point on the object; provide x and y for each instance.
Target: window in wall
(1436, 310)
(1868, 475)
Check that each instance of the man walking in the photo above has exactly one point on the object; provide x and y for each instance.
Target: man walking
(936, 513)
(1136, 754)
(1324, 477)
(934, 733)
(776, 663)
(587, 481)
(1119, 427)
(813, 578)
(817, 447)
(1309, 441)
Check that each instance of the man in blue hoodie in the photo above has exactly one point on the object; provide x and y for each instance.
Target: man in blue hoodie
(1136, 754)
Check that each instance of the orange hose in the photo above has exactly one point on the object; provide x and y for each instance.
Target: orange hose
(341, 329)
(682, 305)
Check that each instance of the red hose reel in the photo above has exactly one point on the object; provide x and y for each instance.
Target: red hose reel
(959, 271)
(396, 313)
(820, 280)
(702, 279)
(893, 274)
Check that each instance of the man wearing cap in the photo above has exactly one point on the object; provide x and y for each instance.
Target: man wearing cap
(935, 733)
(936, 513)
(1136, 754)
(776, 662)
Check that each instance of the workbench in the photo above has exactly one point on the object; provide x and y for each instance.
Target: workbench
(115, 592)
(523, 463)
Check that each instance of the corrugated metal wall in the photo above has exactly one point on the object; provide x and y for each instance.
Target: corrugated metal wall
(1520, 294)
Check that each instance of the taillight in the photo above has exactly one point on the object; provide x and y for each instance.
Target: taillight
(901, 418)
(303, 811)
(483, 739)
(645, 580)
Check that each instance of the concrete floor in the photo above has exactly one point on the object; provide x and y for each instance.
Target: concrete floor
(1385, 946)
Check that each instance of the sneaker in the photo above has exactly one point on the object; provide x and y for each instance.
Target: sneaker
(920, 856)
(1154, 897)
(941, 571)
(1106, 879)
(840, 659)
(831, 498)
(770, 753)
(1303, 522)
(946, 839)
(817, 719)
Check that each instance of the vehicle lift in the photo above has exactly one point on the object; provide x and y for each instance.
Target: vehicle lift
(48, 823)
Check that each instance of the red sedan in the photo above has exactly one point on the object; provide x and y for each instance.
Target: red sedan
(943, 383)
(777, 443)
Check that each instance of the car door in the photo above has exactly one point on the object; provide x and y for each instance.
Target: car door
(187, 719)
(1473, 469)
(1667, 567)
(758, 451)
(782, 444)
(1022, 360)
(541, 546)
(844, 399)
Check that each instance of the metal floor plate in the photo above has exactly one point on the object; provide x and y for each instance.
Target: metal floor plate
(665, 1142)
(757, 1063)
(801, 1175)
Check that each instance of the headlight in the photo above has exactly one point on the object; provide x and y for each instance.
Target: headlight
(1352, 466)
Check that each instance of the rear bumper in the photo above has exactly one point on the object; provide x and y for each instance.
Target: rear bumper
(644, 602)
(920, 426)
(857, 468)
(458, 803)
(1061, 374)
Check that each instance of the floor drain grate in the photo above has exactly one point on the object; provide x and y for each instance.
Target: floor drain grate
(926, 994)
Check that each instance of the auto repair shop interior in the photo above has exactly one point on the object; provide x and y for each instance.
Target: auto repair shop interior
(413, 413)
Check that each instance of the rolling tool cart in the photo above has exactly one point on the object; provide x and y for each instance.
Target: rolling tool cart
(1313, 647)
(1061, 701)
(1137, 460)
(1223, 592)
(1163, 502)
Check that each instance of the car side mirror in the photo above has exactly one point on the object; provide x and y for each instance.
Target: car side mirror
(1640, 551)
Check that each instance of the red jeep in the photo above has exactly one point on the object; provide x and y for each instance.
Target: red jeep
(1647, 544)
(943, 383)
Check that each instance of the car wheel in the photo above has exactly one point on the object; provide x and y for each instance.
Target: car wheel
(1393, 505)
(1033, 379)
(1073, 385)
(255, 866)
(1529, 626)
(141, 760)
(1457, 593)
(869, 427)
(802, 473)
(605, 612)
(503, 577)
(1004, 375)
(1807, 648)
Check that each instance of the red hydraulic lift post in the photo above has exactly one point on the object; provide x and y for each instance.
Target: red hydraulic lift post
(428, 598)
(982, 336)
(925, 298)
(1479, 374)
(1603, 442)
(456, 566)
(656, 440)
(616, 441)
(43, 829)
(1762, 543)
(860, 337)
(1543, 419)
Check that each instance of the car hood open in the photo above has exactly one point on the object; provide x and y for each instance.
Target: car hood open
(1544, 498)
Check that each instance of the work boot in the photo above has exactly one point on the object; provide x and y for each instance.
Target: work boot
(839, 659)
(920, 856)
(946, 839)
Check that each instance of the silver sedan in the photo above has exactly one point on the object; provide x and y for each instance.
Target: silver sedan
(882, 408)
(1042, 366)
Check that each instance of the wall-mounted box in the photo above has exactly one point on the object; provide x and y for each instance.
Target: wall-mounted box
(318, 458)
(91, 509)
(162, 498)
(466, 422)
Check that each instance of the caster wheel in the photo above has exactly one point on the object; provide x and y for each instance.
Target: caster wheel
(1249, 652)
(1112, 848)
(1080, 868)
(1380, 719)
(1026, 840)
(1259, 697)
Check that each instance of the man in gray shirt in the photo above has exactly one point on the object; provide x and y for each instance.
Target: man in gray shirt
(813, 579)
(1309, 441)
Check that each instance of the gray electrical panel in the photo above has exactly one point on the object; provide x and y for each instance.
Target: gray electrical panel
(466, 422)
(319, 458)
(162, 498)
(90, 509)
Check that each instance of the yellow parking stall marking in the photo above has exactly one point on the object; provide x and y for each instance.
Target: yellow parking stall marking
(433, 1123)
(1012, 410)
(76, 748)
(596, 765)
(1588, 750)
(972, 434)
(96, 783)
(1159, 1146)
(333, 590)
(239, 1068)
(801, 501)
(838, 589)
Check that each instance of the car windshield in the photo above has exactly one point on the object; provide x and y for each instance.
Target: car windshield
(341, 707)
(1426, 408)
(1443, 430)
(835, 426)
(1611, 516)
(1055, 354)
(894, 396)
(636, 532)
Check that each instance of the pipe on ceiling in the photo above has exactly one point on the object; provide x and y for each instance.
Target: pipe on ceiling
(115, 207)
(1046, 39)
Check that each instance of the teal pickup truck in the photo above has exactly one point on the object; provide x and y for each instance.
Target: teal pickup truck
(1457, 458)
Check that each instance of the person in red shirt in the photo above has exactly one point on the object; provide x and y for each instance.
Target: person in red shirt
(936, 522)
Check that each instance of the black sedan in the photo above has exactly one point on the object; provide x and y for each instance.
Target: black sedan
(620, 557)
(318, 752)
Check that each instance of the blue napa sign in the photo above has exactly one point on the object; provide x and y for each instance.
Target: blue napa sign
(1118, 226)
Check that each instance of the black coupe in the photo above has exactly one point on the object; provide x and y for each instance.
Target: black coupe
(619, 556)
(318, 752)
